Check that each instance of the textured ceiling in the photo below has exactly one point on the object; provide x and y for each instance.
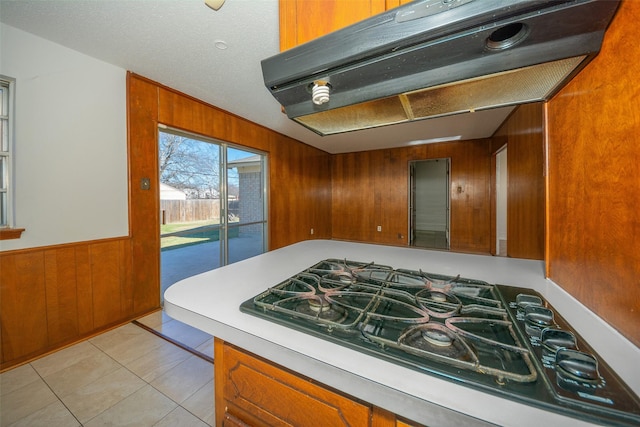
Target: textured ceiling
(174, 43)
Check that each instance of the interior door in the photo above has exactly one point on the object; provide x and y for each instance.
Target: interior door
(430, 203)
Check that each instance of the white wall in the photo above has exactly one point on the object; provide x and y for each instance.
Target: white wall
(70, 143)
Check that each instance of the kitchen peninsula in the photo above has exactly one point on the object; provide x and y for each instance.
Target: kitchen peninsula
(211, 301)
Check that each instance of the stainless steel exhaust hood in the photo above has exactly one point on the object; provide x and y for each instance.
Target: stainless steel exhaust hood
(434, 58)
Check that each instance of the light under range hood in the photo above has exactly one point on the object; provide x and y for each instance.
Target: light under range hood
(434, 58)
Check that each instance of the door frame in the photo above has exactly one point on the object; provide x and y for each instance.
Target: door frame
(412, 198)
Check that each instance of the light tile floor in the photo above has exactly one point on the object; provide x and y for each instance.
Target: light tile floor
(124, 377)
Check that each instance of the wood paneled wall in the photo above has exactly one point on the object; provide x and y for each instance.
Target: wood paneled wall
(524, 136)
(299, 193)
(593, 135)
(53, 296)
(371, 189)
(144, 205)
(299, 180)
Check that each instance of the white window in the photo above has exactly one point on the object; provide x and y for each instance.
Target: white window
(6, 146)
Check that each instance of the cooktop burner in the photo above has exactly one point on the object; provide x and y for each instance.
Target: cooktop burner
(500, 339)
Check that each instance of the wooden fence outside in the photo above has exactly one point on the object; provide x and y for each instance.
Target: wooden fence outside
(172, 211)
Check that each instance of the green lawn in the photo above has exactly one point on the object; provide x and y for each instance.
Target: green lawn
(181, 226)
(194, 233)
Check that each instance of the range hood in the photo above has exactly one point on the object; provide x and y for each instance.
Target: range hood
(433, 58)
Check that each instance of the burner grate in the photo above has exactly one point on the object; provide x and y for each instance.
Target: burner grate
(499, 339)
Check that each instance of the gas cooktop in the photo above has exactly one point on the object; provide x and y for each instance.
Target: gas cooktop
(500, 339)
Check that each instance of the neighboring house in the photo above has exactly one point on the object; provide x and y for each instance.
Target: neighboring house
(169, 211)
(250, 200)
(168, 192)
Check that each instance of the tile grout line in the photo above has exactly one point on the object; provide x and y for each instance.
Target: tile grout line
(178, 405)
(147, 383)
(88, 341)
(56, 395)
(122, 365)
(184, 347)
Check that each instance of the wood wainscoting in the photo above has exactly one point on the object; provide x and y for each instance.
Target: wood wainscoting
(56, 295)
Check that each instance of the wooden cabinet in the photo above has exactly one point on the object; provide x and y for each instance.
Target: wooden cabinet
(259, 393)
(305, 20)
(253, 391)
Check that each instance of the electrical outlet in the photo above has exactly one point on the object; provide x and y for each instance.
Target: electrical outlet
(312, 231)
(379, 228)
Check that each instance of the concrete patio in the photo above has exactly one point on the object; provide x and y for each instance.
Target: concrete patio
(178, 264)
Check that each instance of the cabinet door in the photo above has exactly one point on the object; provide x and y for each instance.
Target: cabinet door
(400, 423)
(231, 421)
(304, 20)
(259, 393)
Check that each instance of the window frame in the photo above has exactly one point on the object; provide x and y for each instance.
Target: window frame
(7, 151)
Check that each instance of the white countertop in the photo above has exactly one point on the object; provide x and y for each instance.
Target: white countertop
(210, 302)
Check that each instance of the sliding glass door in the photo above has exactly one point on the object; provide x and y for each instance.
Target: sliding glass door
(212, 204)
(246, 205)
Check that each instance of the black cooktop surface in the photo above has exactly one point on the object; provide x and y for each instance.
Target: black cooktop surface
(502, 340)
